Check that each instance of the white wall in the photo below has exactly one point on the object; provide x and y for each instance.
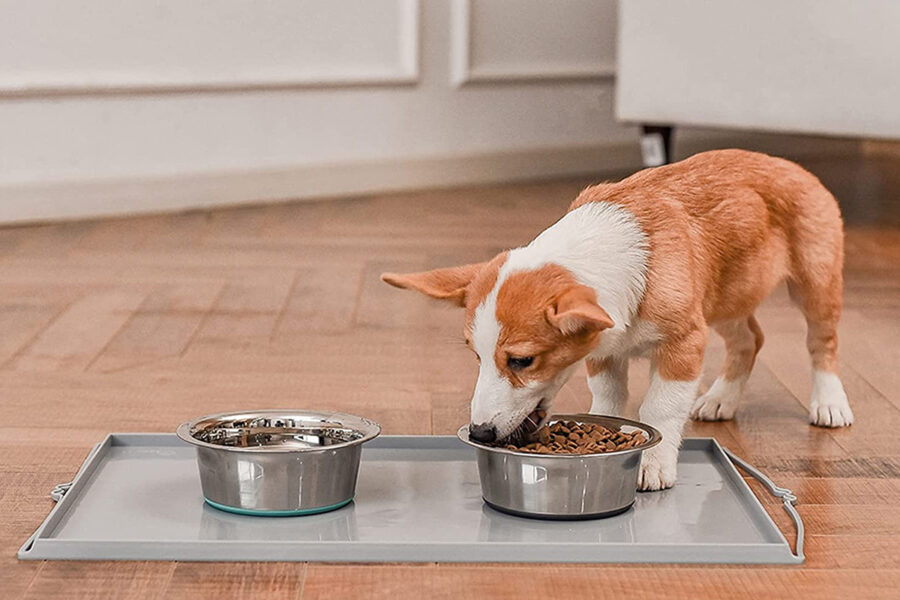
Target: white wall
(110, 106)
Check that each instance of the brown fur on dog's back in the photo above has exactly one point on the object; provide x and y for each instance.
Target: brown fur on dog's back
(752, 220)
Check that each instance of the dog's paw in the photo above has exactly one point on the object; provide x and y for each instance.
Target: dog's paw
(719, 403)
(658, 469)
(829, 406)
(831, 416)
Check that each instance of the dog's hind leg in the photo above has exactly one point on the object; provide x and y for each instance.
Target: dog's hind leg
(816, 285)
(820, 301)
(608, 382)
(743, 339)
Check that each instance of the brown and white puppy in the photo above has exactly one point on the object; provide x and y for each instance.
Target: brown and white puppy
(644, 267)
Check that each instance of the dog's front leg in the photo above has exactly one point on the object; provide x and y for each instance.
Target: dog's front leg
(674, 378)
(608, 381)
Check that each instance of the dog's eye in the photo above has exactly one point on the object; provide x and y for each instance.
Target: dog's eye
(518, 363)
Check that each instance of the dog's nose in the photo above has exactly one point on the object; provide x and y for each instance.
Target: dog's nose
(483, 433)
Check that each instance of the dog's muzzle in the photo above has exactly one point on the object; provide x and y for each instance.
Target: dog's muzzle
(483, 433)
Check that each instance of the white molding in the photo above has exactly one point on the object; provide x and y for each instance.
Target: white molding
(406, 72)
(67, 199)
(464, 72)
(411, 40)
(461, 41)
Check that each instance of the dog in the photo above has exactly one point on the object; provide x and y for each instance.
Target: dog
(645, 267)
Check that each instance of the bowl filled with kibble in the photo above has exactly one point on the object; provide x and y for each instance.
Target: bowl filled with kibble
(576, 466)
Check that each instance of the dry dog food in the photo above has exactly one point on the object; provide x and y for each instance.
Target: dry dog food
(569, 437)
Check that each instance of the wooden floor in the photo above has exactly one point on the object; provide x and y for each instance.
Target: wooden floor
(139, 324)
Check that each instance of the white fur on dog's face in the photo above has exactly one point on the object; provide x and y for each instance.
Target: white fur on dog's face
(496, 401)
(493, 395)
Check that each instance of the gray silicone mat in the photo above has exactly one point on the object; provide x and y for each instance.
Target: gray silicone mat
(137, 497)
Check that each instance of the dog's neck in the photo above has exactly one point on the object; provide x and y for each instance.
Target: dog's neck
(604, 248)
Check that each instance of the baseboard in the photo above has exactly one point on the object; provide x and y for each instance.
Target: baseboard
(75, 199)
(53, 200)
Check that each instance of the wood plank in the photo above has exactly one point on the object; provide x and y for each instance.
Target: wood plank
(247, 309)
(837, 490)
(60, 459)
(25, 495)
(182, 297)
(827, 466)
(388, 582)
(20, 324)
(27, 309)
(323, 299)
(101, 580)
(867, 551)
(80, 333)
(179, 231)
(54, 241)
(236, 223)
(55, 273)
(869, 345)
(274, 581)
(162, 326)
(16, 576)
(118, 234)
(146, 338)
(156, 401)
(851, 519)
(11, 237)
(383, 306)
(453, 581)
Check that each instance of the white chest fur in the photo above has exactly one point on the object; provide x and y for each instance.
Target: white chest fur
(638, 339)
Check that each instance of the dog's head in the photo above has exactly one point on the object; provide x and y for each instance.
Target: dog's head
(528, 328)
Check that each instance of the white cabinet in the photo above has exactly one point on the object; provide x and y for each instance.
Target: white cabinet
(811, 66)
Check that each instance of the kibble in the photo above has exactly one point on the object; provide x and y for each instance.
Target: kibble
(569, 437)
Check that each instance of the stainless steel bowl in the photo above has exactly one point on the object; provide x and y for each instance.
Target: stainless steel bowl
(278, 462)
(562, 486)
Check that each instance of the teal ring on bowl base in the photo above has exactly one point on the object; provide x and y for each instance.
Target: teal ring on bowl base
(278, 513)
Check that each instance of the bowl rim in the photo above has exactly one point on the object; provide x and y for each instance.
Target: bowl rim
(655, 437)
(369, 428)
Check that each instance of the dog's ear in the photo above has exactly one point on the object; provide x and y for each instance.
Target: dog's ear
(444, 284)
(577, 310)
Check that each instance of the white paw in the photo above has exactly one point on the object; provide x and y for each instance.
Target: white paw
(831, 416)
(829, 406)
(658, 469)
(719, 403)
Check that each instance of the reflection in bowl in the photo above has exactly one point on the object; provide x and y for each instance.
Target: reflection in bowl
(278, 463)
